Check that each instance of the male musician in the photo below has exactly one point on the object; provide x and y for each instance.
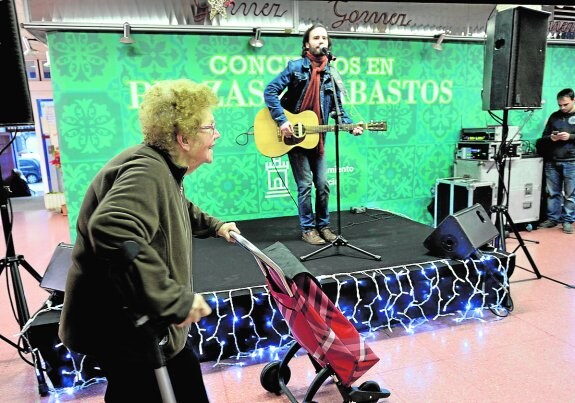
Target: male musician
(309, 87)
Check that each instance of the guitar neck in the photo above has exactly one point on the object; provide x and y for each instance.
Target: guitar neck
(329, 128)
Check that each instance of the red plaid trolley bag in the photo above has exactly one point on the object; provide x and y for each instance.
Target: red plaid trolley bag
(332, 342)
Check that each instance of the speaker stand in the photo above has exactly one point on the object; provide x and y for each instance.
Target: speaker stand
(525, 240)
(501, 211)
(503, 216)
(11, 266)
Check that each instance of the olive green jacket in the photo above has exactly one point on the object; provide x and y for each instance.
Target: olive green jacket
(137, 196)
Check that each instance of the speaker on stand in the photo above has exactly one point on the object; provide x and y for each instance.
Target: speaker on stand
(512, 79)
(13, 80)
(514, 58)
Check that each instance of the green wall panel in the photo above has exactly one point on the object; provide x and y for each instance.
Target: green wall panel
(425, 97)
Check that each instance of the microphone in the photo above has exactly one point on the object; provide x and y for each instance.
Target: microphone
(327, 52)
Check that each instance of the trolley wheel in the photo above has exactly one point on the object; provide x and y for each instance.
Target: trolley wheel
(372, 386)
(269, 378)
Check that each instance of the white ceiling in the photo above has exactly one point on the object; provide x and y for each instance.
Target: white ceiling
(170, 14)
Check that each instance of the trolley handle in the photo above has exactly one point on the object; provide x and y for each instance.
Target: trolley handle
(263, 260)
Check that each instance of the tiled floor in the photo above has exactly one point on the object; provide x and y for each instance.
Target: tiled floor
(528, 356)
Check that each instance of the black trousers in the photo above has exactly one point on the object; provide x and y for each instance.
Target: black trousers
(135, 382)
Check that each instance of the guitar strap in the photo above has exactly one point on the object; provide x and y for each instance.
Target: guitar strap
(338, 80)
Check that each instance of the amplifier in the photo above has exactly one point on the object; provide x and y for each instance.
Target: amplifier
(486, 150)
(479, 134)
(489, 133)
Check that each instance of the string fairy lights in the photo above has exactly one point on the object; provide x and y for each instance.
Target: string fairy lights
(245, 324)
(407, 296)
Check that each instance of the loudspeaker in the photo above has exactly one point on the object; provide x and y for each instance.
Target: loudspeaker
(461, 234)
(13, 80)
(64, 368)
(515, 58)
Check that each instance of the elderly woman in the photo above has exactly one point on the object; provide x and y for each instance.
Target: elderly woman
(133, 253)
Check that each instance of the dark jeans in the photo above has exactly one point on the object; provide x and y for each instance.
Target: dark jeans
(135, 382)
(560, 188)
(309, 168)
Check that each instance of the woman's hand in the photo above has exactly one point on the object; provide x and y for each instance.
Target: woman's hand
(225, 230)
(200, 309)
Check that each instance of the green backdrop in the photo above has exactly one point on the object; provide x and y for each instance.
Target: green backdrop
(425, 96)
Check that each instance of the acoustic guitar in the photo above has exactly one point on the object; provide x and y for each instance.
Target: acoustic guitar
(271, 143)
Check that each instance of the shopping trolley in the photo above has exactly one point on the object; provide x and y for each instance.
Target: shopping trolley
(332, 343)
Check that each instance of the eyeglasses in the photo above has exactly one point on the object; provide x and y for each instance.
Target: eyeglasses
(211, 127)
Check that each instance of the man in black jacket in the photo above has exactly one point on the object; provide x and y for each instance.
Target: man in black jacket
(557, 146)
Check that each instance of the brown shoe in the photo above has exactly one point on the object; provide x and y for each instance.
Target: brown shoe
(312, 237)
(327, 234)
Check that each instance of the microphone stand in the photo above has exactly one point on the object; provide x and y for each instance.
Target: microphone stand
(339, 240)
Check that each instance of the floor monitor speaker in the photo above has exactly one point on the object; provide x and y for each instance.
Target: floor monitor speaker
(460, 234)
(64, 368)
(514, 58)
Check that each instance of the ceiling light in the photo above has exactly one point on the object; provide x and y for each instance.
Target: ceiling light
(256, 41)
(438, 43)
(127, 39)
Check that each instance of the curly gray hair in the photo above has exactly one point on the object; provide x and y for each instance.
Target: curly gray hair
(170, 107)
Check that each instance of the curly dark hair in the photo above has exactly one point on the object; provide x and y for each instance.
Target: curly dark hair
(305, 38)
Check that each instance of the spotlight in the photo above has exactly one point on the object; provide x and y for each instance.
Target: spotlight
(438, 43)
(127, 39)
(256, 41)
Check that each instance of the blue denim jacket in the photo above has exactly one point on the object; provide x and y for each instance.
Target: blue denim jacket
(295, 77)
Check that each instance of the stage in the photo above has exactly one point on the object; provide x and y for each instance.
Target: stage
(407, 287)
(219, 266)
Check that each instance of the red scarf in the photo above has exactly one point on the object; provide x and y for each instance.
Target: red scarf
(311, 98)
